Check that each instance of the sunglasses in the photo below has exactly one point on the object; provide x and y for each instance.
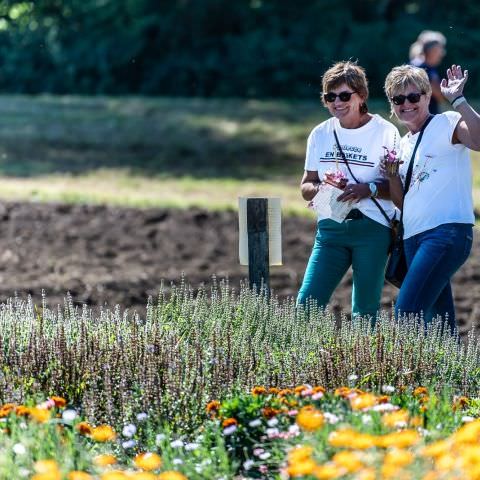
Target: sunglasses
(411, 97)
(343, 96)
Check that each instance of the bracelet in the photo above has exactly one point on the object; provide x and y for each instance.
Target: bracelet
(458, 101)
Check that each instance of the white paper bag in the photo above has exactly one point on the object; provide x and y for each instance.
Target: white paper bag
(326, 205)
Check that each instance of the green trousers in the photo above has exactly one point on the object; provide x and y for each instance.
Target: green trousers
(361, 243)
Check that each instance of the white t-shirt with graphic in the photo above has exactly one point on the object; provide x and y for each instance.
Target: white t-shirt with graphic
(441, 186)
(363, 148)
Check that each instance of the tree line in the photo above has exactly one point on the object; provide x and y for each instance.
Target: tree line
(223, 48)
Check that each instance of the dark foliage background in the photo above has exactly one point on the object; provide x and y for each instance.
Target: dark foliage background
(240, 48)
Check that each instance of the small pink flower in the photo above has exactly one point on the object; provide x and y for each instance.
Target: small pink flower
(292, 413)
(263, 469)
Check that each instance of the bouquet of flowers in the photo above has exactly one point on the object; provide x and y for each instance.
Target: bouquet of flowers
(391, 162)
(325, 202)
(337, 179)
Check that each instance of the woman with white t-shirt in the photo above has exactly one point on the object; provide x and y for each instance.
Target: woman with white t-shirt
(438, 209)
(362, 240)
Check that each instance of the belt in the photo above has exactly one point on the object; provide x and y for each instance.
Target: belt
(355, 214)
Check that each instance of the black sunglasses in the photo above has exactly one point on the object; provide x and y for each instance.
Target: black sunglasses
(343, 96)
(411, 97)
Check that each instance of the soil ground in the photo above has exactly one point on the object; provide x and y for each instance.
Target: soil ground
(110, 255)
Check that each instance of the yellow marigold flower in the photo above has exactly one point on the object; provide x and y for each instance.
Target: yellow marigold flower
(273, 390)
(400, 458)
(436, 449)
(60, 402)
(310, 419)
(328, 471)
(46, 466)
(285, 392)
(143, 476)
(148, 461)
(171, 475)
(104, 459)
(103, 433)
(402, 439)
(342, 438)
(40, 415)
(393, 472)
(298, 390)
(365, 400)
(299, 454)
(301, 468)
(420, 391)
(77, 475)
(349, 460)
(366, 474)
(469, 433)
(259, 390)
(47, 476)
(213, 406)
(447, 462)
(395, 419)
(228, 422)
(84, 428)
(114, 475)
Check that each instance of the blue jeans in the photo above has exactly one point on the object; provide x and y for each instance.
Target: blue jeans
(432, 259)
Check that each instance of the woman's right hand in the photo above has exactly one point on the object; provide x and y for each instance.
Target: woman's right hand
(390, 170)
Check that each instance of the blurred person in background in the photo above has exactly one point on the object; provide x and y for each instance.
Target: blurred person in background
(427, 52)
(362, 240)
(438, 213)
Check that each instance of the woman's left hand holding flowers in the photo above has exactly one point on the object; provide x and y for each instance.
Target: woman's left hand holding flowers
(354, 192)
(452, 87)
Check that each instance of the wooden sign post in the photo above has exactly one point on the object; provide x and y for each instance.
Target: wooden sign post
(260, 238)
(258, 252)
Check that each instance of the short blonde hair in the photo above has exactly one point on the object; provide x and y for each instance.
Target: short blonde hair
(404, 76)
(346, 72)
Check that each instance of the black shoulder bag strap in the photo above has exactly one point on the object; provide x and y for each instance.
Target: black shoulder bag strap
(407, 179)
(344, 158)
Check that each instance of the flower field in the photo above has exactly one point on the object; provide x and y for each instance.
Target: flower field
(221, 384)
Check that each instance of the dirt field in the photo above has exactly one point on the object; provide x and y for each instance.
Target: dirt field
(109, 255)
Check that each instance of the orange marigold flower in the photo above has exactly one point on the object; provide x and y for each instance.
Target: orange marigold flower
(424, 399)
(285, 392)
(298, 454)
(84, 428)
(171, 475)
(213, 406)
(383, 399)
(269, 412)
(302, 468)
(402, 439)
(143, 476)
(228, 422)
(417, 421)
(318, 389)
(22, 411)
(420, 391)
(460, 403)
(298, 390)
(396, 419)
(148, 461)
(309, 418)
(60, 402)
(103, 433)
(273, 390)
(351, 461)
(104, 460)
(259, 391)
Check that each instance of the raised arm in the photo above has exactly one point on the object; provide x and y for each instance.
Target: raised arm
(467, 131)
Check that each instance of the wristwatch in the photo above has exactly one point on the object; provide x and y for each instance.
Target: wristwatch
(373, 189)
